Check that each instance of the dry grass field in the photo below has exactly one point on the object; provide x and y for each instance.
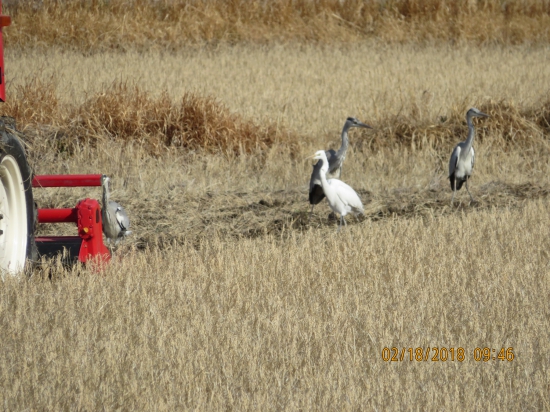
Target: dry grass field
(294, 322)
(225, 296)
(92, 25)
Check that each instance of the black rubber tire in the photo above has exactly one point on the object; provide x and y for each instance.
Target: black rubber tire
(12, 146)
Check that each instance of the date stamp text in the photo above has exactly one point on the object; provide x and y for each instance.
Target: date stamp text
(443, 354)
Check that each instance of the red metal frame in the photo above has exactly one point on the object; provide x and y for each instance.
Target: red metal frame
(86, 215)
(57, 215)
(66, 180)
(4, 21)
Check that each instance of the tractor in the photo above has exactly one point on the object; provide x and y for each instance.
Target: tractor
(19, 214)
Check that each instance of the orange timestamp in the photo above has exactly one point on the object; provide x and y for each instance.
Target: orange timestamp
(439, 354)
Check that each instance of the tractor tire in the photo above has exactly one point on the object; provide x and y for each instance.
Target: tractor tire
(17, 209)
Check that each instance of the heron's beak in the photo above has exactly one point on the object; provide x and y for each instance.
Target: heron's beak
(366, 126)
(310, 157)
(483, 115)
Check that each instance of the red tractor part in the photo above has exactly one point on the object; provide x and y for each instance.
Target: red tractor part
(18, 214)
(87, 216)
(4, 22)
(66, 181)
(16, 201)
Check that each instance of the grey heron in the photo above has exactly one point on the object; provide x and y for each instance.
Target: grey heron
(342, 199)
(462, 160)
(335, 161)
(115, 219)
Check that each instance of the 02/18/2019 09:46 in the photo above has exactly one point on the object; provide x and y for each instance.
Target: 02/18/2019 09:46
(443, 354)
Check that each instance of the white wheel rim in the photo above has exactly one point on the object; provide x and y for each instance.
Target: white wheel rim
(13, 224)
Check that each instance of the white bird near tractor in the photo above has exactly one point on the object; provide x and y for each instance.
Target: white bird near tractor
(462, 160)
(115, 219)
(341, 197)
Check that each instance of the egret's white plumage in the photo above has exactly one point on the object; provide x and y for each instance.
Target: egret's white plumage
(342, 199)
(335, 162)
(115, 219)
(461, 164)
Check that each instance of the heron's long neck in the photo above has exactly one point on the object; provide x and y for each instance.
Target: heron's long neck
(105, 194)
(345, 142)
(106, 200)
(471, 134)
(324, 183)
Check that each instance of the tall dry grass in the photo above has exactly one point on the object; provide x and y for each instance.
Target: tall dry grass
(125, 114)
(229, 101)
(124, 24)
(295, 323)
(307, 89)
(225, 296)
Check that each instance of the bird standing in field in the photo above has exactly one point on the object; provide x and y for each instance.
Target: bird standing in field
(342, 199)
(335, 161)
(462, 160)
(115, 219)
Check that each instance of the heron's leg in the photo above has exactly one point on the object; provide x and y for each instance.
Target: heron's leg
(340, 225)
(454, 192)
(471, 197)
(310, 213)
(344, 219)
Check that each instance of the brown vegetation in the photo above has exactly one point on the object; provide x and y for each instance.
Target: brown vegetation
(295, 323)
(225, 296)
(145, 24)
(126, 114)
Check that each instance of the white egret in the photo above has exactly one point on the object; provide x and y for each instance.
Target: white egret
(335, 162)
(462, 160)
(342, 199)
(115, 219)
